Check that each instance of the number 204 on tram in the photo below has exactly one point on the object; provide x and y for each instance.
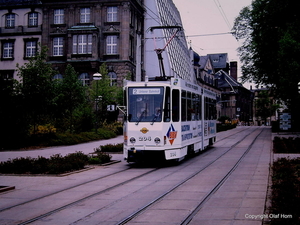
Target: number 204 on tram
(167, 120)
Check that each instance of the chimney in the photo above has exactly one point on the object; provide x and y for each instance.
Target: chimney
(233, 69)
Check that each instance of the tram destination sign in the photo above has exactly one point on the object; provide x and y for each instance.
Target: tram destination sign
(146, 91)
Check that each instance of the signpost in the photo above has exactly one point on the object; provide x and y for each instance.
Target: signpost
(285, 121)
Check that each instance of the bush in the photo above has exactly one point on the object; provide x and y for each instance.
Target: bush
(116, 127)
(286, 145)
(100, 158)
(55, 165)
(285, 191)
(224, 127)
(110, 148)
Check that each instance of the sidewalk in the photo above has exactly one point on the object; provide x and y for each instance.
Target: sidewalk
(86, 148)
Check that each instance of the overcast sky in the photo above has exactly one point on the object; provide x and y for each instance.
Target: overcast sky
(209, 17)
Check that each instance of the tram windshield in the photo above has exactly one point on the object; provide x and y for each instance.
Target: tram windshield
(145, 104)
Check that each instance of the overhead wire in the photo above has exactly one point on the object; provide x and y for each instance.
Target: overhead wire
(220, 8)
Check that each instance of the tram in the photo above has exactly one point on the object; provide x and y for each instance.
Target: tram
(167, 119)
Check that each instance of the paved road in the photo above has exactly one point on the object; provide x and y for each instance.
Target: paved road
(228, 183)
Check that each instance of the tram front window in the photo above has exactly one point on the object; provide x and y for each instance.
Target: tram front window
(145, 104)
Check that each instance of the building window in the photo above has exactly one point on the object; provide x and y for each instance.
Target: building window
(85, 79)
(33, 19)
(82, 44)
(58, 46)
(8, 50)
(6, 77)
(10, 20)
(30, 48)
(112, 14)
(112, 44)
(57, 77)
(85, 15)
(113, 78)
(59, 16)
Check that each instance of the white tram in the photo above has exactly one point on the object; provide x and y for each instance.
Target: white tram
(167, 119)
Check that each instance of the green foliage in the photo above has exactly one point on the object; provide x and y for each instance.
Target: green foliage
(270, 52)
(109, 148)
(116, 127)
(223, 119)
(104, 94)
(55, 165)
(72, 138)
(286, 145)
(42, 111)
(100, 158)
(285, 197)
(37, 88)
(224, 127)
(70, 100)
(264, 105)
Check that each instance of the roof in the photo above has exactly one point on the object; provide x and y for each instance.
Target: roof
(219, 60)
(4, 3)
(83, 27)
(203, 61)
(225, 80)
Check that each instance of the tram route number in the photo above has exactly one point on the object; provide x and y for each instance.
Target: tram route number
(172, 154)
(144, 138)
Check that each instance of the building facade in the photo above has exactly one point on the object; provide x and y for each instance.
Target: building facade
(84, 34)
(236, 101)
(163, 30)
(20, 32)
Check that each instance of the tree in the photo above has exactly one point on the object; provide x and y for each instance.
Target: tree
(14, 127)
(37, 89)
(105, 94)
(271, 47)
(70, 98)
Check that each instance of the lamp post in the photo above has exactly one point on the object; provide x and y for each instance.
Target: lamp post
(97, 76)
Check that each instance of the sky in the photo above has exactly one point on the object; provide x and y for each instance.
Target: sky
(210, 17)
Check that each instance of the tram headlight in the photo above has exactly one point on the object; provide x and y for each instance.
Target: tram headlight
(157, 140)
(132, 140)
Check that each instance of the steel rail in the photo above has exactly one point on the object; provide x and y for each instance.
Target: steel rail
(188, 219)
(62, 190)
(142, 209)
(85, 198)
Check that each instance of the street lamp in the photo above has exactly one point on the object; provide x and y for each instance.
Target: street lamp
(97, 76)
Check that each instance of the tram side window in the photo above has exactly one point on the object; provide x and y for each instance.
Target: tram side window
(175, 105)
(183, 106)
(189, 106)
(196, 107)
(210, 109)
(214, 109)
(206, 108)
(167, 107)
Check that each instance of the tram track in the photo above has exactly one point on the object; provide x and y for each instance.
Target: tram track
(153, 201)
(189, 218)
(141, 209)
(209, 194)
(62, 190)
